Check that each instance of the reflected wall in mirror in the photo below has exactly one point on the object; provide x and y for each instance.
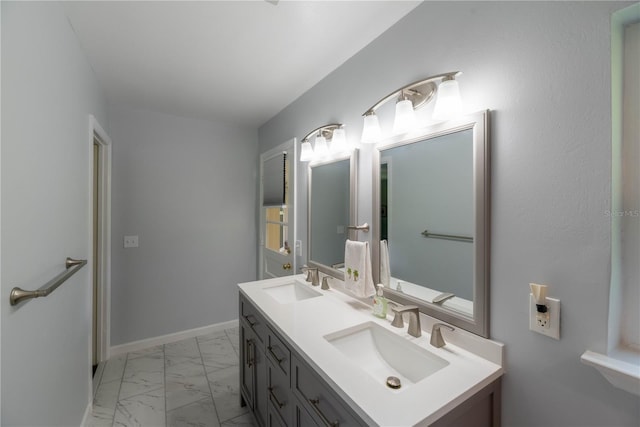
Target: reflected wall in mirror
(432, 200)
(331, 209)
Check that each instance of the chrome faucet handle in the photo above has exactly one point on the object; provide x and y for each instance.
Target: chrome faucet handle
(436, 335)
(312, 275)
(325, 283)
(414, 319)
(397, 322)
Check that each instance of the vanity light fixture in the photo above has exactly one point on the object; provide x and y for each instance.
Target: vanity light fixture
(412, 97)
(334, 132)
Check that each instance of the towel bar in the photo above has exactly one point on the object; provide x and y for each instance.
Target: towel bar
(72, 266)
(427, 233)
(364, 227)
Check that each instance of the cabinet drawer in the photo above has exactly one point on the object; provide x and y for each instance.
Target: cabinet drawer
(253, 318)
(278, 352)
(314, 394)
(301, 418)
(279, 392)
(273, 419)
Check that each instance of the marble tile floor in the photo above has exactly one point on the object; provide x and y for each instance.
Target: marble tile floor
(193, 382)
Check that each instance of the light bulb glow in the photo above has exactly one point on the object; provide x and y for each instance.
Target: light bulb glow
(405, 119)
(448, 104)
(306, 152)
(339, 141)
(320, 147)
(371, 132)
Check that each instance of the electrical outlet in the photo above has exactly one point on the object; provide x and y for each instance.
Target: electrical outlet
(545, 323)
(130, 241)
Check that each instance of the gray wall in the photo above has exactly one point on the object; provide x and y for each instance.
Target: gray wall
(544, 70)
(48, 92)
(187, 188)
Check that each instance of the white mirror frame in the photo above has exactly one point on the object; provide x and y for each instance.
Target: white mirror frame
(353, 214)
(479, 124)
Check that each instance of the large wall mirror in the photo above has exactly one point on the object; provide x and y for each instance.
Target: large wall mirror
(431, 211)
(331, 209)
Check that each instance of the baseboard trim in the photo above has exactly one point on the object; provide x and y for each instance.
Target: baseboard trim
(169, 338)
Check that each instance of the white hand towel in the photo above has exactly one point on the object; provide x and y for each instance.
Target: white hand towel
(385, 269)
(357, 275)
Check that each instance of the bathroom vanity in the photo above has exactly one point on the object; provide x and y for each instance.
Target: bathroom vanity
(310, 357)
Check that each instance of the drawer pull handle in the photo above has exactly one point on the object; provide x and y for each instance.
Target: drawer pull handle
(274, 399)
(249, 356)
(250, 322)
(314, 405)
(274, 355)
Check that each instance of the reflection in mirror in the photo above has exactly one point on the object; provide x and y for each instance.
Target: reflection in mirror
(432, 201)
(331, 209)
(277, 191)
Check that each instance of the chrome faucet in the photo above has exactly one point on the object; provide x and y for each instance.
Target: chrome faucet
(312, 275)
(436, 335)
(414, 319)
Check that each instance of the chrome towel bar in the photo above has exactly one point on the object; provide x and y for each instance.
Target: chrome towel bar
(364, 227)
(427, 233)
(72, 266)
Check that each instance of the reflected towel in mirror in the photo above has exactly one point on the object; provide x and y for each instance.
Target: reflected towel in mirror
(357, 275)
(385, 269)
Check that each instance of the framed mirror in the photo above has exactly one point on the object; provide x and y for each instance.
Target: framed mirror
(432, 214)
(331, 209)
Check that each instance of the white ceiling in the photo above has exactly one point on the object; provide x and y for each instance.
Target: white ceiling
(234, 61)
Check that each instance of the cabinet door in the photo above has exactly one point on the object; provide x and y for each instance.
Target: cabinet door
(247, 365)
(274, 419)
(320, 401)
(481, 410)
(260, 391)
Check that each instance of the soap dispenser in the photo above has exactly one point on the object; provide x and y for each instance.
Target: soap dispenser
(380, 303)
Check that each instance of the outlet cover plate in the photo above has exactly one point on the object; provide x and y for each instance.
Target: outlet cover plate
(553, 310)
(130, 241)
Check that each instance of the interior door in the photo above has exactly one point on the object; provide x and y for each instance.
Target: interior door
(277, 211)
(277, 253)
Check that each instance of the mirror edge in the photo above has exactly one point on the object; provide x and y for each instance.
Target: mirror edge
(353, 207)
(480, 123)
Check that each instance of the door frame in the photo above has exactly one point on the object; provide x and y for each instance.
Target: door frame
(291, 147)
(98, 135)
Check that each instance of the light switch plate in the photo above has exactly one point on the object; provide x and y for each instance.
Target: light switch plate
(130, 241)
(549, 326)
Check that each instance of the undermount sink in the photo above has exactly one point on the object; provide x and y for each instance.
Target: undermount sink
(291, 292)
(383, 354)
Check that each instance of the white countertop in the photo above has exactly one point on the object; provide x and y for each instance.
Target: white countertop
(303, 324)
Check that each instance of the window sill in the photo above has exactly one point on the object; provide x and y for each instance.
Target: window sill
(621, 369)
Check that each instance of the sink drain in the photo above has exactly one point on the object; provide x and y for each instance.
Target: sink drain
(393, 382)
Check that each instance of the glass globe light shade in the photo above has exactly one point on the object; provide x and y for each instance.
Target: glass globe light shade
(371, 132)
(448, 103)
(306, 152)
(405, 119)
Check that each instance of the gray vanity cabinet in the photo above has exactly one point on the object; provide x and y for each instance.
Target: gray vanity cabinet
(283, 390)
(319, 401)
(278, 380)
(253, 362)
(279, 388)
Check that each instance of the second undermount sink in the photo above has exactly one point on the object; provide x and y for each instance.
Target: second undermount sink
(382, 354)
(291, 292)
